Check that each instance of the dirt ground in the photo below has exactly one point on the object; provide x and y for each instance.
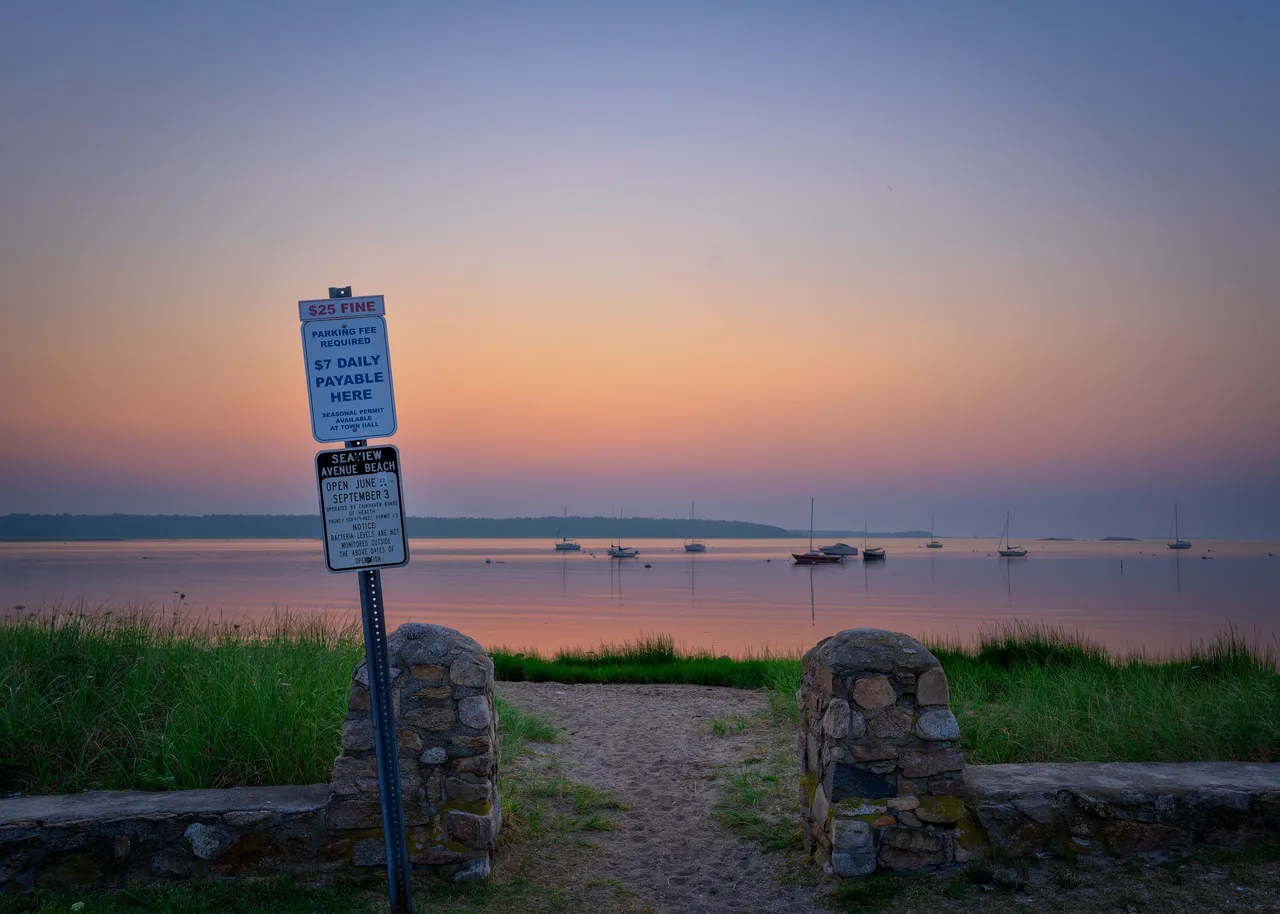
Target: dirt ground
(667, 752)
(654, 748)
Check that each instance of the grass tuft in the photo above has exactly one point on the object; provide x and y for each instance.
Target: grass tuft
(519, 727)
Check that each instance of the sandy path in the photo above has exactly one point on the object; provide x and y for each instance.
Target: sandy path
(652, 746)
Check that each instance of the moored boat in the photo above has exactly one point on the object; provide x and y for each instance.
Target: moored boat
(564, 544)
(1177, 542)
(870, 553)
(813, 556)
(1008, 550)
(619, 551)
(838, 549)
(933, 540)
(692, 544)
(816, 558)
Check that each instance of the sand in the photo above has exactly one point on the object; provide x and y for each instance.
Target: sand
(654, 748)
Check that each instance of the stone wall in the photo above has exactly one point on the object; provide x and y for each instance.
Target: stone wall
(1122, 809)
(111, 837)
(446, 734)
(882, 783)
(447, 739)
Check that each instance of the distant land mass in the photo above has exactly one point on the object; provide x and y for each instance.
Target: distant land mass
(873, 534)
(1120, 539)
(44, 527)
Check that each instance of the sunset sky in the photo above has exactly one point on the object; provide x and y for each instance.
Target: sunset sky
(906, 258)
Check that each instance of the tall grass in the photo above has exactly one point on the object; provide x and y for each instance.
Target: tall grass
(150, 700)
(1026, 693)
(651, 658)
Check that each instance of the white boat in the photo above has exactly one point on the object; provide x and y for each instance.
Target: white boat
(838, 549)
(564, 544)
(933, 540)
(692, 544)
(870, 553)
(619, 551)
(1008, 551)
(1177, 542)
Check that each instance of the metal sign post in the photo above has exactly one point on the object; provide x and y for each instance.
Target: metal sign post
(365, 532)
(378, 666)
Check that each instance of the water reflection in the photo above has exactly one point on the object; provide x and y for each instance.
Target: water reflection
(813, 607)
(731, 598)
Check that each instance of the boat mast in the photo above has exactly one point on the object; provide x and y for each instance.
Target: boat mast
(810, 523)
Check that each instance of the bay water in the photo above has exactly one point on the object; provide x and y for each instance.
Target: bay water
(741, 595)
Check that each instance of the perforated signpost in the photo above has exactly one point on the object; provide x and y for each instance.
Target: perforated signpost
(344, 342)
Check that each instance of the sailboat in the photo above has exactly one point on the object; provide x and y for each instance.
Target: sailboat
(1009, 551)
(619, 551)
(870, 553)
(933, 540)
(564, 544)
(1177, 542)
(813, 556)
(691, 544)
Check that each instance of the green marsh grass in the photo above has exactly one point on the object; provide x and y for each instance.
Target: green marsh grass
(1026, 693)
(651, 658)
(133, 699)
(136, 699)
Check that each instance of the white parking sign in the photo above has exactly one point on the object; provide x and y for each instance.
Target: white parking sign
(349, 378)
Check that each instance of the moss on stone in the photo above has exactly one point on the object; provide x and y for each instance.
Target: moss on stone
(859, 807)
(969, 834)
(939, 810)
(809, 783)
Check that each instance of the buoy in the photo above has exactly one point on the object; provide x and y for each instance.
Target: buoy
(647, 565)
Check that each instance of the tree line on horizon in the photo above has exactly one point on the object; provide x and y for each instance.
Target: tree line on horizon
(307, 526)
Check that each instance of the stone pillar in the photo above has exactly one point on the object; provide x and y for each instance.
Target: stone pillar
(446, 735)
(882, 782)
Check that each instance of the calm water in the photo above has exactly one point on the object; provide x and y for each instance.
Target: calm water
(742, 594)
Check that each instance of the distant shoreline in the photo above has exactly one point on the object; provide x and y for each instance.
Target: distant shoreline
(114, 527)
(39, 528)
